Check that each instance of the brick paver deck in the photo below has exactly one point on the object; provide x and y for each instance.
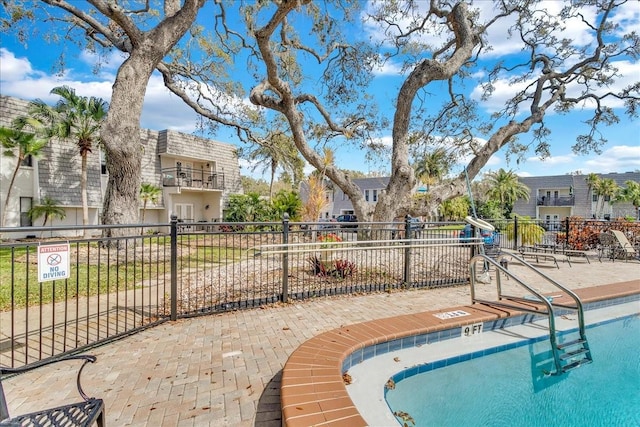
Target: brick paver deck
(225, 370)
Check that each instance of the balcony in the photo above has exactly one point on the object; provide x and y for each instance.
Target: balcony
(192, 179)
(556, 201)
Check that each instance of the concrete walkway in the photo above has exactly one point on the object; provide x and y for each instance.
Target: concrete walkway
(224, 370)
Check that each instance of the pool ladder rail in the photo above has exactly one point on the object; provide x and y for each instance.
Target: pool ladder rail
(567, 355)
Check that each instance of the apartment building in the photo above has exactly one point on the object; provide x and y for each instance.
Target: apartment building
(554, 198)
(196, 176)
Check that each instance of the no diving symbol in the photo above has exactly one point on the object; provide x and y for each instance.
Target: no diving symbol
(54, 259)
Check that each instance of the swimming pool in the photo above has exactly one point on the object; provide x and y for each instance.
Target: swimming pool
(507, 388)
(481, 391)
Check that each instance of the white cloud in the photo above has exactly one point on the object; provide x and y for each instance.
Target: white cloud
(388, 68)
(552, 160)
(12, 68)
(162, 110)
(621, 158)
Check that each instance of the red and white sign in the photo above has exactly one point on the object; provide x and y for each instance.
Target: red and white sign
(53, 262)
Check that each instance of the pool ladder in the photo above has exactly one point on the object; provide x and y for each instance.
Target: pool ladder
(567, 355)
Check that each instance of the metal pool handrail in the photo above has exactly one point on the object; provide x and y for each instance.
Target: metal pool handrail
(541, 298)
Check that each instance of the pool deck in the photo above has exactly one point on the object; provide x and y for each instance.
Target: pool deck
(226, 369)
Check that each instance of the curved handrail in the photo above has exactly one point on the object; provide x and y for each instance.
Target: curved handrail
(552, 324)
(563, 288)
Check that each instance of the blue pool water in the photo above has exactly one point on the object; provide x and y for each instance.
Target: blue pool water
(508, 388)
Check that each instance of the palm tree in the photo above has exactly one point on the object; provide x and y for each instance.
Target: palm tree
(287, 201)
(631, 193)
(78, 118)
(49, 209)
(148, 193)
(605, 188)
(19, 144)
(592, 181)
(432, 167)
(278, 151)
(506, 189)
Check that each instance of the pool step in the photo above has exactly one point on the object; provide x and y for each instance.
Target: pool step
(576, 364)
(568, 344)
(574, 353)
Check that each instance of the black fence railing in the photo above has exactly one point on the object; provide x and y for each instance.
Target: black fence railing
(159, 272)
(560, 235)
(118, 285)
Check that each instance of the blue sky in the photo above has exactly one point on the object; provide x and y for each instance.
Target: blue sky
(29, 72)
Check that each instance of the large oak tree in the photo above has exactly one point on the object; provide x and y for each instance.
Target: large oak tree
(441, 46)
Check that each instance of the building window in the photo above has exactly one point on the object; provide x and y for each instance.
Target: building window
(184, 212)
(366, 195)
(27, 161)
(607, 198)
(555, 194)
(103, 162)
(25, 207)
(375, 195)
(594, 198)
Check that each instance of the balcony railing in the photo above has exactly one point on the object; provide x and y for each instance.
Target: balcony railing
(556, 201)
(192, 178)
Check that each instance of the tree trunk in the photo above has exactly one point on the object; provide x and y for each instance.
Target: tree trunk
(85, 199)
(121, 138)
(6, 202)
(121, 129)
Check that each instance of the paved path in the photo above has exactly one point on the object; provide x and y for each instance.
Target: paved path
(224, 370)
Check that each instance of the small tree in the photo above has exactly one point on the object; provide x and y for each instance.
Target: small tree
(455, 209)
(631, 193)
(148, 193)
(48, 208)
(247, 208)
(287, 201)
(605, 189)
(20, 145)
(529, 232)
(505, 188)
(316, 199)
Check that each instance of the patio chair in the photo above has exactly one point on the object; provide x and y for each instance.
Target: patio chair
(624, 249)
(606, 246)
(86, 413)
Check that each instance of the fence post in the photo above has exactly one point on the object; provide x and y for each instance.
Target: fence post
(515, 233)
(285, 257)
(407, 250)
(173, 265)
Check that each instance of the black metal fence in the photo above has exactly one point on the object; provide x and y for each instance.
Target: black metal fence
(567, 234)
(118, 285)
(154, 273)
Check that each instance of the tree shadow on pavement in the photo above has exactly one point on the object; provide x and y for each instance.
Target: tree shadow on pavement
(269, 411)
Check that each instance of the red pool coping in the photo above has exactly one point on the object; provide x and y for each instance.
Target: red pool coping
(313, 392)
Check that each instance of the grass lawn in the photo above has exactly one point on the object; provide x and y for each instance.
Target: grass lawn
(97, 271)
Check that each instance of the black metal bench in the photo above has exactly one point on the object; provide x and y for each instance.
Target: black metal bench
(85, 413)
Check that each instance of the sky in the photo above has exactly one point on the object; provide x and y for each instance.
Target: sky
(29, 72)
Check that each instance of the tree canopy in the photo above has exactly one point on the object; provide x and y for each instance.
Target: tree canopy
(307, 65)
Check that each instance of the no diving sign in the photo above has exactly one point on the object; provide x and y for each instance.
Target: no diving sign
(53, 262)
